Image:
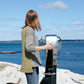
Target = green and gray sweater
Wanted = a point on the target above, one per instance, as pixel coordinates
(30, 57)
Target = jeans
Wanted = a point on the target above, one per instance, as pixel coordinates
(33, 78)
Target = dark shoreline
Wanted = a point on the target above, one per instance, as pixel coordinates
(73, 40)
(15, 41)
(39, 40)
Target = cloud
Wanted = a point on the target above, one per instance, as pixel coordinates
(9, 19)
(8, 35)
(77, 23)
(56, 5)
(4, 25)
(72, 34)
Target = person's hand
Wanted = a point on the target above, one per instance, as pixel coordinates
(49, 46)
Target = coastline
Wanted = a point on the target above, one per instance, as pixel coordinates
(15, 41)
(10, 72)
(70, 52)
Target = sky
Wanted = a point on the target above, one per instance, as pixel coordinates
(64, 18)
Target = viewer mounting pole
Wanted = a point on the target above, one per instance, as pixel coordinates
(51, 59)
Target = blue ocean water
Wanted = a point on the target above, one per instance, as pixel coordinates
(71, 55)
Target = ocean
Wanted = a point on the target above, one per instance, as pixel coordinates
(71, 55)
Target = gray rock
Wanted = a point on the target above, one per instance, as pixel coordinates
(10, 73)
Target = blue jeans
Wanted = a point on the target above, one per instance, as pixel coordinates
(33, 78)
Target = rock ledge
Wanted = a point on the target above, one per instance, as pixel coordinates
(11, 73)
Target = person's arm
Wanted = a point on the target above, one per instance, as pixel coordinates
(29, 40)
(29, 43)
(48, 46)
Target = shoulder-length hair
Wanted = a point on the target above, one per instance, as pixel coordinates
(32, 20)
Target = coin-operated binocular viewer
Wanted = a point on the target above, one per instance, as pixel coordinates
(51, 59)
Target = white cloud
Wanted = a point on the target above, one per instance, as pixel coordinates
(9, 19)
(4, 26)
(72, 34)
(56, 5)
(77, 23)
(8, 35)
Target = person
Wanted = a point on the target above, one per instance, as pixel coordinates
(30, 48)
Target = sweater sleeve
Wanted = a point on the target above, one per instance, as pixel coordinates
(30, 47)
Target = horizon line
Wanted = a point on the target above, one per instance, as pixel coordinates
(39, 40)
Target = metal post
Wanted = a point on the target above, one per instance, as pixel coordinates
(54, 77)
(50, 68)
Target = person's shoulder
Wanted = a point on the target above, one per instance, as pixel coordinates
(29, 29)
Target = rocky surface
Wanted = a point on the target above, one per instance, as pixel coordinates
(10, 73)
